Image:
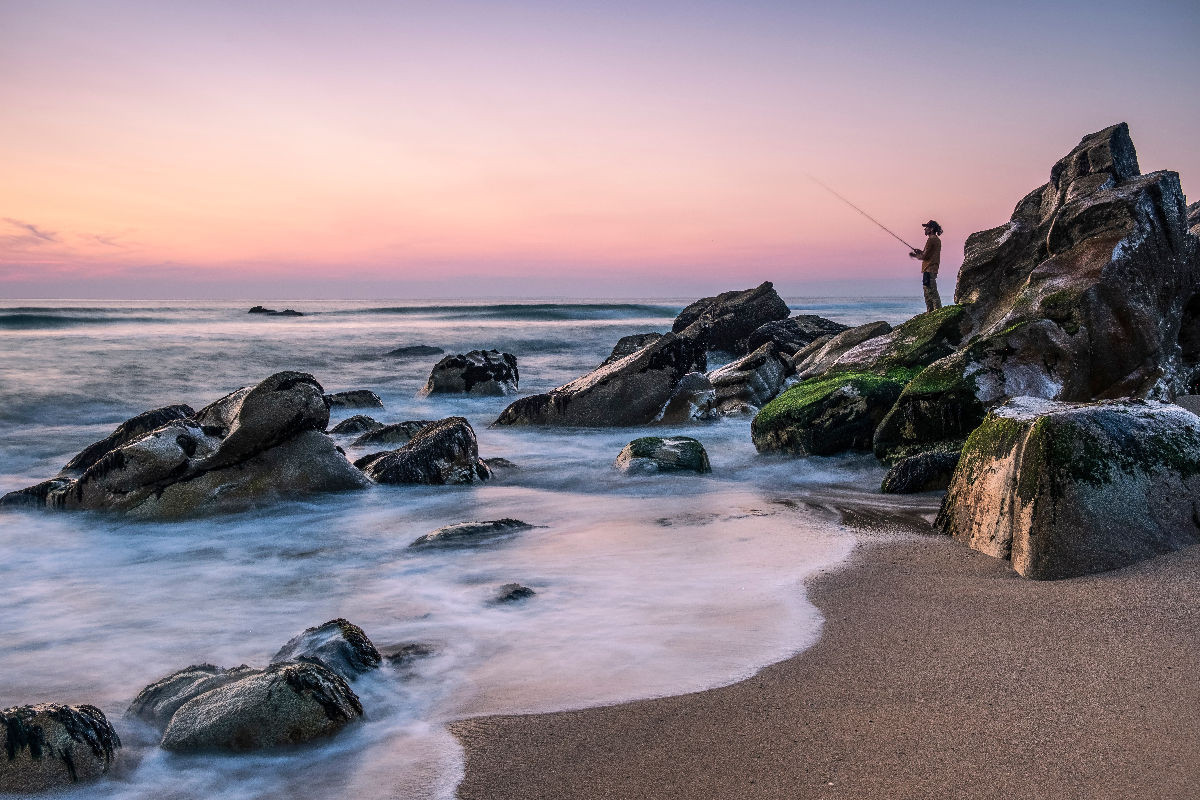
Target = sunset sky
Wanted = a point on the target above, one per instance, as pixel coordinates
(621, 149)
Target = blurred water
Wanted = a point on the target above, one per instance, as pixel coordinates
(645, 586)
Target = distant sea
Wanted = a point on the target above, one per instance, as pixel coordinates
(646, 586)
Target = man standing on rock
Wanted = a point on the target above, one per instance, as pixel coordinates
(931, 259)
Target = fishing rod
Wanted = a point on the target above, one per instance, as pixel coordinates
(859, 210)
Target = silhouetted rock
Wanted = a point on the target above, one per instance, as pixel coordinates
(270, 312)
(356, 398)
(651, 454)
(415, 350)
(125, 433)
(35, 496)
(469, 533)
(793, 334)
(442, 453)
(338, 644)
(51, 746)
(725, 322)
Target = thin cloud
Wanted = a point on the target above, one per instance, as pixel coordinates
(33, 234)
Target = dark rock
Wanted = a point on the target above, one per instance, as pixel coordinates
(125, 433)
(270, 312)
(35, 496)
(725, 322)
(481, 372)
(1063, 489)
(826, 415)
(284, 704)
(402, 656)
(396, 434)
(512, 593)
(651, 454)
(159, 701)
(793, 334)
(694, 400)
(750, 382)
(356, 398)
(821, 360)
(51, 746)
(443, 453)
(628, 345)
(925, 472)
(414, 350)
(498, 463)
(277, 409)
(469, 533)
(1193, 219)
(339, 645)
(631, 391)
(262, 310)
(359, 423)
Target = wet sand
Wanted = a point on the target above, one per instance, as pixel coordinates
(939, 674)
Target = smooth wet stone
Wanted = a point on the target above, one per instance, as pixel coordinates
(469, 533)
(694, 400)
(338, 644)
(628, 345)
(126, 432)
(50, 746)
(651, 454)
(159, 701)
(403, 656)
(749, 382)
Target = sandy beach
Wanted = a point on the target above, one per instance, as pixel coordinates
(939, 674)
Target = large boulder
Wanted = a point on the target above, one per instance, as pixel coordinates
(338, 645)
(278, 408)
(51, 746)
(445, 452)
(630, 391)
(811, 363)
(726, 322)
(792, 335)
(480, 372)
(1063, 489)
(284, 704)
(750, 382)
(651, 454)
(126, 432)
(470, 533)
(628, 345)
(159, 701)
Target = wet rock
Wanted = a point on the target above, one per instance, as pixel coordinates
(277, 409)
(51, 746)
(35, 496)
(631, 391)
(750, 382)
(396, 434)
(501, 464)
(415, 350)
(445, 452)
(339, 645)
(651, 454)
(403, 656)
(469, 533)
(924, 472)
(512, 593)
(695, 399)
(821, 360)
(359, 423)
(628, 345)
(285, 704)
(912, 346)
(159, 701)
(125, 433)
(356, 398)
(827, 415)
(1063, 489)
(270, 312)
(793, 334)
(725, 322)
(480, 372)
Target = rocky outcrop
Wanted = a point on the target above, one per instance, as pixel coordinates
(818, 361)
(512, 593)
(726, 322)
(445, 452)
(750, 382)
(396, 434)
(924, 472)
(339, 645)
(694, 400)
(284, 704)
(792, 335)
(630, 391)
(628, 345)
(358, 424)
(270, 312)
(355, 398)
(1064, 489)
(470, 533)
(652, 454)
(125, 433)
(415, 350)
(480, 372)
(50, 746)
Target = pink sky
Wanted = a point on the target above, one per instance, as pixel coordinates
(352, 150)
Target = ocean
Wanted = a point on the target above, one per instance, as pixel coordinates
(645, 585)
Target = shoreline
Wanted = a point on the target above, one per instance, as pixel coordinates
(938, 673)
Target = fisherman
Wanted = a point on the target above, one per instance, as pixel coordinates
(931, 259)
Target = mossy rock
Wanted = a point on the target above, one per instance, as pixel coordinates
(923, 340)
(1063, 489)
(937, 410)
(829, 414)
(651, 454)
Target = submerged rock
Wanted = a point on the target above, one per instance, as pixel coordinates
(469, 533)
(415, 350)
(750, 382)
(359, 423)
(402, 656)
(651, 454)
(628, 345)
(284, 704)
(125, 433)
(924, 472)
(726, 322)
(270, 312)
(1063, 489)
(512, 593)
(398, 433)
(442, 453)
(481, 372)
(356, 398)
(792, 335)
(51, 746)
(630, 391)
(339, 645)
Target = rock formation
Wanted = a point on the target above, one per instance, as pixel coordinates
(480, 372)
(50, 746)
(694, 400)
(125, 433)
(445, 452)
(750, 382)
(727, 321)
(792, 335)
(628, 345)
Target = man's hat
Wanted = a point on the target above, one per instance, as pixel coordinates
(933, 224)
